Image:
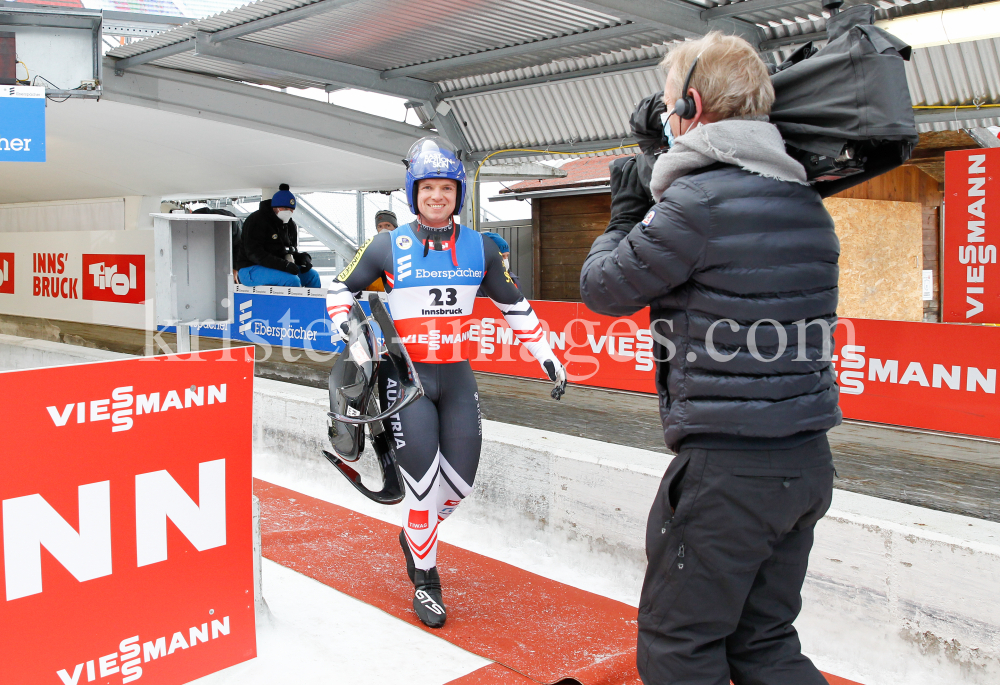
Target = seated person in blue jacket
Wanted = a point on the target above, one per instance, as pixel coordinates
(270, 246)
(504, 248)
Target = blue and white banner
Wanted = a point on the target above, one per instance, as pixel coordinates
(279, 317)
(291, 320)
(22, 124)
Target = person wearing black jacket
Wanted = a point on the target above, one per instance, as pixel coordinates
(270, 254)
(737, 260)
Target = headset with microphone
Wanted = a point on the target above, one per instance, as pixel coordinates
(686, 108)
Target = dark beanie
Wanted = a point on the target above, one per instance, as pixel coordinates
(386, 215)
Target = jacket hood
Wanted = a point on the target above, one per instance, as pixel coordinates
(753, 145)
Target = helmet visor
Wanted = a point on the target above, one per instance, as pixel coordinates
(432, 157)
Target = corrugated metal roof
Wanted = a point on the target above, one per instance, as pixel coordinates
(808, 17)
(949, 75)
(195, 9)
(384, 34)
(959, 74)
(218, 22)
(612, 58)
(571, 111)
(594, 106)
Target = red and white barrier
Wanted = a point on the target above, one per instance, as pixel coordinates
(97, 459)
(922, 375)
(971, 276)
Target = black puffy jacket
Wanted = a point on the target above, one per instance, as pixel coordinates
(266, 240)
(724, 243)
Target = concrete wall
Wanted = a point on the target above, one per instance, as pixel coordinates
(98, 214)
(895, 593)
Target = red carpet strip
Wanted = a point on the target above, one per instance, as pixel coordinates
(535, 629)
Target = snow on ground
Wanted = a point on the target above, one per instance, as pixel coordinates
(318, 635)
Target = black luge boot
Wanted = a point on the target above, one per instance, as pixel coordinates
(427, 600)
(407, 553)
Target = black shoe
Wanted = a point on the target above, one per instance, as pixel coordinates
(407, 553)
(427, 600)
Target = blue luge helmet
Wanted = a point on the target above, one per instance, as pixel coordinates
(432, 157)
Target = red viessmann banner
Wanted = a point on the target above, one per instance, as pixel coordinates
(971, 276)
(922, 375)
(602, 351)
(126, 520)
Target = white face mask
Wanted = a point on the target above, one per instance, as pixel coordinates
(285, 215)
(506, 264)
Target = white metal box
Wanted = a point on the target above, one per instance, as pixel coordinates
(194, 268)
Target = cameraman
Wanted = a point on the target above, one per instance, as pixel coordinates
(736, 238)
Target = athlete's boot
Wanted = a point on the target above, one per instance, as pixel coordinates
(427, 600)
(408, 554)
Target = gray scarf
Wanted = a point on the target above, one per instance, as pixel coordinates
(756, 146)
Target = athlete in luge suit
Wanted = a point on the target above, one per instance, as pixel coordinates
(432, 269)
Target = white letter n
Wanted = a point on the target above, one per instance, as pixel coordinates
(30, 523)
(158, 496)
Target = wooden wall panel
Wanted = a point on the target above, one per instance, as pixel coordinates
(881, 255)
(911, 184)
(902, 184)
(566, 228)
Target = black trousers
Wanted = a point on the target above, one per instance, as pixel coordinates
(728, 543)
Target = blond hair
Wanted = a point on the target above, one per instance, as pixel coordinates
(731, 77)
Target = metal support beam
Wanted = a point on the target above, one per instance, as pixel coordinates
(324, 70)
(79, 94)
(519, 171)
(570, 149)
(514, 50)
(360, 209)
(746, 7)
(61, 18)
(984, 137)
(139, 25)
(448, 126)
(802, 39)
(159, 53)
(640, 65)
(948, 114)
(280, 19)
(321, 228)
(166, 20)
(97, 45)
(264, 110)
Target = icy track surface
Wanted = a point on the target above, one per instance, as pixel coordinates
(318, 635)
